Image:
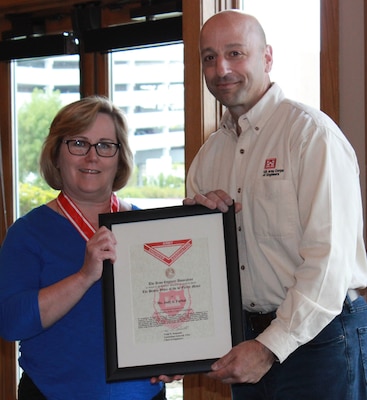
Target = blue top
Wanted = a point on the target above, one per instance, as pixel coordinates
(65, 361)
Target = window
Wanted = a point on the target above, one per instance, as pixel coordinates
(296, 65)
(38, 95)
(147, 84)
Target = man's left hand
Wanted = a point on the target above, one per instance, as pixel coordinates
(247, 362)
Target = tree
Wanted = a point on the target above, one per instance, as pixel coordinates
(31, 196)
(34, 119)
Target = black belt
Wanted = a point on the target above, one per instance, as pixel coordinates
(258, 322)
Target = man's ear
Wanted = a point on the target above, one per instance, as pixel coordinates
(268, 58)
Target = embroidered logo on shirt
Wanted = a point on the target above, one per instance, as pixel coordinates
(270, 163)
(270, 168)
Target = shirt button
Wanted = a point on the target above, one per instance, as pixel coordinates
(239, 229)
(239, 190)
(243, 267)
(252, 305)
(242, 151)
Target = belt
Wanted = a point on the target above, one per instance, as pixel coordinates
(353, 294)
(258, 322)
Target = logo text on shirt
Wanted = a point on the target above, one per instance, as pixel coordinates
(269, 168)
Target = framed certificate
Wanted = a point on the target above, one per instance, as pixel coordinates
(172, 300)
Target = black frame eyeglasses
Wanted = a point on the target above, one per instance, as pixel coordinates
(78, 147)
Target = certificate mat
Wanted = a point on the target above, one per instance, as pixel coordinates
(172, 300)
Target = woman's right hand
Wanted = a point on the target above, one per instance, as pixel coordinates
(101, 247)
(57, 300)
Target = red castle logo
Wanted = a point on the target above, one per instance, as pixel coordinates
(270, 163)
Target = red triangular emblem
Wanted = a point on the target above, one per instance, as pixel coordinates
(169, 251)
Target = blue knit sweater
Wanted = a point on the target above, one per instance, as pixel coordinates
(65, 361)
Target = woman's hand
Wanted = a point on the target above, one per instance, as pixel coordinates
(58, 299)
(101, 247)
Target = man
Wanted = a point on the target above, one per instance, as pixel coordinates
(295, 181)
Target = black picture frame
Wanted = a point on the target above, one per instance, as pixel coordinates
(172, 300)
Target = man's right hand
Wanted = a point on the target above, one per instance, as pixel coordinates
(216, 199)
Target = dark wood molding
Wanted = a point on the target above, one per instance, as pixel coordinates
(8, 362)
(329, 59)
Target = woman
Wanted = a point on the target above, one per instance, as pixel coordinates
(52, 258)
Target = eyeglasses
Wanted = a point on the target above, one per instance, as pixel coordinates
(78, 147)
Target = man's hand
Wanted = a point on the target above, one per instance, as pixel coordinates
(247, 362)
(217, 199)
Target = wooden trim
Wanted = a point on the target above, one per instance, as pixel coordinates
(365, 68)
(26, 6)
(364, 292)
(6, 158)
(57, 15)
(194, 114)
(202, 111)
(329, 59)
(7, 350)
(7, 370)
(93, 74)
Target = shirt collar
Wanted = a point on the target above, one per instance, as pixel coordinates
(258, 115)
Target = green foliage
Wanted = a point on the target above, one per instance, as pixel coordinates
(159, 187)
(34, 119)
(163, 181)
(152, 192)
(31, 196)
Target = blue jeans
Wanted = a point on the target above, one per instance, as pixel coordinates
(333, 366)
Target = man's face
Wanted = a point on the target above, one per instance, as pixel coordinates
(235, 63)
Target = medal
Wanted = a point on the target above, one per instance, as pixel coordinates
(76, 217)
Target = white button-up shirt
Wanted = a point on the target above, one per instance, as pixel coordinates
(300, 231)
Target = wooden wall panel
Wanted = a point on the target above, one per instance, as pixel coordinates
(329, 58)
(7, 349)
(16, 6)
(202, 111)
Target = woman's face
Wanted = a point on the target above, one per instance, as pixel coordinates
(90, 177)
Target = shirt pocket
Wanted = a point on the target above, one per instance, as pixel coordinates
(275, 208)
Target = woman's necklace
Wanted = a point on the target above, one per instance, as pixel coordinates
(76, 217)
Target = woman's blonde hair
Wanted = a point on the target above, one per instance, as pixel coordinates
(74, 119)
